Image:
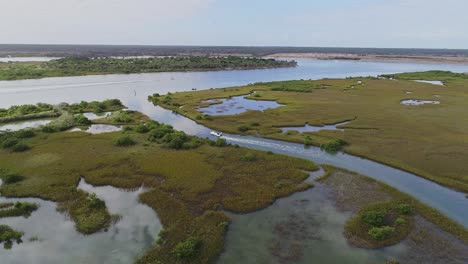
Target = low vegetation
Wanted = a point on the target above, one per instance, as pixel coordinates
(87, 66)
(384, 216)
(190, 181)
(381, 224)
(27, 112)
(17, 209)
(8, 236)
(429, 140)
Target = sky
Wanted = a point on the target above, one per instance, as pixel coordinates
(311, 23)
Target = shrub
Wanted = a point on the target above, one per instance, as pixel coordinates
(7, 235)
(175, 140)
(187, 249)
(373, 218)
(142, 128)
(243, 128)
(10, 177)
(400, 221)
(248, 157)
(221, 142)
(381, 233)
(255, 124)
(95, 202)
(159, 132)
(124, 141)
(333, 146)
(20, 147)
(25, 133)
(9, 142)
(404, 209)
(81, 120)
(48, 129)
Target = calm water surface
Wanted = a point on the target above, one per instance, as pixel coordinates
(236, 105)
(309, 128)
(15, 126)
(58, 241)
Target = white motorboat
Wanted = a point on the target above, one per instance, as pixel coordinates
(216, 134)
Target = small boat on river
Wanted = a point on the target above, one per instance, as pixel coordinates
(216, 134)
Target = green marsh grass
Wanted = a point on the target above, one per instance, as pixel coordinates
(430, 140)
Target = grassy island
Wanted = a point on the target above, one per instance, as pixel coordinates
(383, 216)
(92, 66)
(429, 140)
(191, 181)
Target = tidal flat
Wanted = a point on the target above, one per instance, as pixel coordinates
(381, 129)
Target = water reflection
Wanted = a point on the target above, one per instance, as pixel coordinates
(418, 102)
(302, 228)
(430, 82)
(98, 129)
(309, 128)
(15, 126)
(236, 105)
(58, 242)
(124, 86)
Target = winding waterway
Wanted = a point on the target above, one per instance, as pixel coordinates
(50, 237)
(133, 90)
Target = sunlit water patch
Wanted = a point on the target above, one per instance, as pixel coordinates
(27, 59)
(418, 102)
(15, 126)
(236, 105)
(98, 129)
(55, 240)
(94, 116)
(309, 128)
(431, 82)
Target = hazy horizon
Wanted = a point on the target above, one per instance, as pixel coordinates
(405, 24)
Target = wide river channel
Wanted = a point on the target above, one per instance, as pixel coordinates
(250, 237)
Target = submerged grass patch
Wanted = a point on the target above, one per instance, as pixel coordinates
(428, 140)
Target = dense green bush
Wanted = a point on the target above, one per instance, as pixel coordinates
(81, 120)
(187, 249)
(373, 218)
(8, 235)
(381, 233)
(25, 133)
(9, 177)
(220, 142)
(333, 146)
(142, 128)
(20, 147)
(9, 142)
(160, 131)
(95, 202)
(124, 141)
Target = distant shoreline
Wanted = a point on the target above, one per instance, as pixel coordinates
(372, 54)
(373, 57)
